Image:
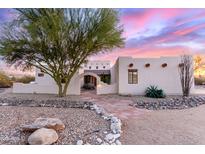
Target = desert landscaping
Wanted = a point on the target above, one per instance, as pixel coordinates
(83, 126)
(84, 76)
(47, 119)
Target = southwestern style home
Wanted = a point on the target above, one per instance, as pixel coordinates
(128, 76)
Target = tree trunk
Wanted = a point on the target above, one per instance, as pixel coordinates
(65, 87)
(60, 90)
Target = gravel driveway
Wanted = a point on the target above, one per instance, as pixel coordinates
(80, 124)
(166, 127)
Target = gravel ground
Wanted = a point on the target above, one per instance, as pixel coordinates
(166, 127)
(7, 93)
(169, 103)
(2, 90)
(80, 124)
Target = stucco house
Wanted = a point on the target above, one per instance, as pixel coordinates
(127, 76)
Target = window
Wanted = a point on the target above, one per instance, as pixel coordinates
(96, 67)
(132, 76)
(89, 67)
(104, 67)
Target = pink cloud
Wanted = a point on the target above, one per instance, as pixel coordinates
(189, 29)
(143, 52)
(137, 21)
(190, 19)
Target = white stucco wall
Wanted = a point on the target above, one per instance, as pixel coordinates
(106, 89)
(47, 85)
(97, 65)
(113, 73)
(166, 78)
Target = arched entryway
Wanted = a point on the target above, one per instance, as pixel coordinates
(89, 82)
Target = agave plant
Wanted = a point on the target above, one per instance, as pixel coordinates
(154, 92)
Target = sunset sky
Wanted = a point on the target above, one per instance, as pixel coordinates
(153, 32)
(161, 32)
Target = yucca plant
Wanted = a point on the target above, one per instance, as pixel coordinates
(154, 92)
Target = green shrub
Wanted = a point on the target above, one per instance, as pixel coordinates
(5, 81)
(154, 92)
(24, 79)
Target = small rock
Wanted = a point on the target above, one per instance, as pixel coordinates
(99, 140)
(98, 111)
(43, 136)
(79, 142)
(118, 142)
(116, 136)
(116, 127)
(112, 141)
(5, 104)
(109, 137)
(104, 117)
(114, 119)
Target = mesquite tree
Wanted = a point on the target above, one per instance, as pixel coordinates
(186, 74)
(59, 41)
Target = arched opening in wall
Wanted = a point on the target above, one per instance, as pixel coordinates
(88, 84)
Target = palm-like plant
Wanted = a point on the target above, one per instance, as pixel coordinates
(59, 41)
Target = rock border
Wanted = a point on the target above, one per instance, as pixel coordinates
(115, 126)
(170, 103)
(112, 138)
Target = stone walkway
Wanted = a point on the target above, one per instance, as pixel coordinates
(115, 104)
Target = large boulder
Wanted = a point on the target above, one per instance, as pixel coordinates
(29, 127)
(52, 123)
(43, 136)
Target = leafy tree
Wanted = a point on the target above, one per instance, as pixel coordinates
(59, 41)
